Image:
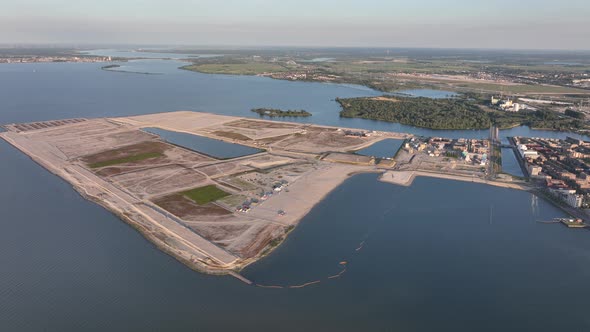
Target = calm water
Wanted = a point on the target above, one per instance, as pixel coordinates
(433, 259)
(148, 55)
(383, 149)
(510, 164)
(563, 63)
(439, 255)
(66, 90)
(428, 93)
(319, 60)
(208, 146)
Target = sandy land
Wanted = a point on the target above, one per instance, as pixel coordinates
(153, 224)
(381, 98)
(405, 178)
(209, 242)
(305, 193)
(296, 137)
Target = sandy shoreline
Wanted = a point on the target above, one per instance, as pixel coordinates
(50, 147)
(406, 178)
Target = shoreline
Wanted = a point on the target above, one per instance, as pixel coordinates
(188, 240)
(151, 235)
(307, 192)
(406, 178)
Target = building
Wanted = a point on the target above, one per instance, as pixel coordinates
(574, 200)
(516, 107)
(525, 152)
(534, 170)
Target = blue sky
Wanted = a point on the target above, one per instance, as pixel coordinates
(418, 23)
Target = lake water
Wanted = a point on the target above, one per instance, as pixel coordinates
(428, 93)
(433, 259)
(147, 55)
(211, 147)
(319, 60)
(66, 90)
(562, 63)
(438, 255)
(386, 148)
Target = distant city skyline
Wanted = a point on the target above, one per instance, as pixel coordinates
(524, 24)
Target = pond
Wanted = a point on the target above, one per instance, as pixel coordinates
(386, 148)
(211, 147)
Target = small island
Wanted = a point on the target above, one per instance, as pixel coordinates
(273, 112)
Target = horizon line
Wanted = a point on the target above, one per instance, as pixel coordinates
(277, 46)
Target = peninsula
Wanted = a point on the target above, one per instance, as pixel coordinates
(214, 214)
(217, 214)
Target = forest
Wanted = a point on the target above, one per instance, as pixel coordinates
(273, 112)
(451, 113)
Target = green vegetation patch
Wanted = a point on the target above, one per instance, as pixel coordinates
(419, 112)
(273, 112)
(129, 159)
(206, 194)
(452, 113)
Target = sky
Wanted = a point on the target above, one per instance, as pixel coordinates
(520, 24)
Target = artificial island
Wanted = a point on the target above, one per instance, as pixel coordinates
(218, 208)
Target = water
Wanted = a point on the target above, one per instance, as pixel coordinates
(319, 60)
(428, 93)
(563, 63)
(69, 265)
(435, 257)
(383, 149)
(67, 90)
(211, 147)
(510, 164)
(143, 66)
(146, 55)
(439, 255)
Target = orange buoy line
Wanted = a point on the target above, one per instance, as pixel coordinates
(337, 275)
(269, 286)
(361, 246)
(343, 264)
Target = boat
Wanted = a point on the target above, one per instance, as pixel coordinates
(572, 223)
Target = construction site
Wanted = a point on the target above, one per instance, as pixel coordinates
(215, 215)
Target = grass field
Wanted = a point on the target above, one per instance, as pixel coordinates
(137, 157)
(206, 194)
(236, 68)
